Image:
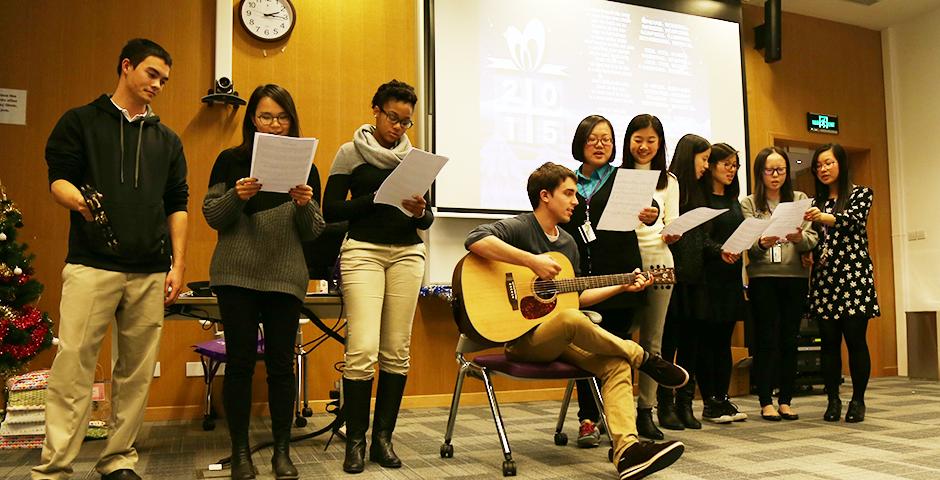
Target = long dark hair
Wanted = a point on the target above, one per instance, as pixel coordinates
(582, 133)
(640, 122)
(683, 167)
(760, 190)
(845, 185)
(721, 151)
(282, 97)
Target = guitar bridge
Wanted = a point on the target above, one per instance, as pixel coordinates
(511, 292)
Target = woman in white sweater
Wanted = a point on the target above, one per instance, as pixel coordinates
(646, 150)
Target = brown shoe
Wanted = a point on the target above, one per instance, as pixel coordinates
(644, 458)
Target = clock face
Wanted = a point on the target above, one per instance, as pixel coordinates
(267, 20)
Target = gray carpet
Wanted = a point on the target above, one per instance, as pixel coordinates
(900, 439)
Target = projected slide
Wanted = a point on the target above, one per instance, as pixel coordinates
(514, 77)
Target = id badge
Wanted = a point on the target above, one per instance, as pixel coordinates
(587, 233)
(776, 253)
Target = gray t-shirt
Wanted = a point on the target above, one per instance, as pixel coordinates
(524, 232)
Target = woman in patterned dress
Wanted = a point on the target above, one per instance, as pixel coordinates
(842, 294)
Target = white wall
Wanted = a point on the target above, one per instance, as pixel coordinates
(912, 75)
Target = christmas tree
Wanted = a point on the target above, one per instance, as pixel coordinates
(24, 330)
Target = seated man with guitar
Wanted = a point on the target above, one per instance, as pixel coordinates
(535, 310)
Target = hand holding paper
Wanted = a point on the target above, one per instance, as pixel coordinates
(413, 176)
(281, 163)
(787, 218)
(632, 192)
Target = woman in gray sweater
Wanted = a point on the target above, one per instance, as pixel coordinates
(778, 284)
(259, 275)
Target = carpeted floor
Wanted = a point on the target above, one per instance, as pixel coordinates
(900, 439)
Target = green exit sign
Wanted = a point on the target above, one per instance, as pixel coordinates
(822, 123)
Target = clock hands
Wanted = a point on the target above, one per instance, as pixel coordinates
(278, 13)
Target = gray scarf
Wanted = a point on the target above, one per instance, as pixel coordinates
(374, 153)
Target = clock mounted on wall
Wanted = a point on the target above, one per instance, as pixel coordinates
(267, 20)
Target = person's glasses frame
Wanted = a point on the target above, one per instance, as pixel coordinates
(393, 117)
(267, 119)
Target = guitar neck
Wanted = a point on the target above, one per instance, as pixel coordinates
(579, 284)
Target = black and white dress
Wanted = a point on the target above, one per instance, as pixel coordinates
(843, 284)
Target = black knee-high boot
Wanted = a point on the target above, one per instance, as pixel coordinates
(684, 413)
(281, 393)
(357, 395)
(387, 403)
(237, 402)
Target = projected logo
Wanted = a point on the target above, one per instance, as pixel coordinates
(526, 51)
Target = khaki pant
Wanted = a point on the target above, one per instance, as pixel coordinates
(572, 337)
(380, 292)
(91, 300)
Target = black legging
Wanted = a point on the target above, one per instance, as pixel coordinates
(680, 333)
(714, 359)
(853, 330)
(777, 304)
(241, 310)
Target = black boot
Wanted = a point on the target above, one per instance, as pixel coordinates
(356, 397)
(387, 402)
(237, 401)
(684, 413)
(833, 410)
(666, 409)
(856, 411)
(645, 426)
(281, 406)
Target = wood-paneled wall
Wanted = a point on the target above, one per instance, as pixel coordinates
(831, 68)
(340, 51)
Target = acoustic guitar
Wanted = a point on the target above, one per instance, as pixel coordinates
(499, 302)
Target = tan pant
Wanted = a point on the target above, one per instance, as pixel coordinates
(380, 292)
(91, 300)
(572, 337)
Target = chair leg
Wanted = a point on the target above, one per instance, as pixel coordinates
(454, 404)
(497, 417)
(559, 427)
(596, 392)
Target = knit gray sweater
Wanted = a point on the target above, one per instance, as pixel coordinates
(261, 251)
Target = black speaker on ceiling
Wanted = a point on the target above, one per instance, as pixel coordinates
(767, 37)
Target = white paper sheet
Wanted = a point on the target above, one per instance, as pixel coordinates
(787, 217)
(745, 235)
(632, 192)
(13, 106)
(281, 163)
(691, 219)
(413, 176)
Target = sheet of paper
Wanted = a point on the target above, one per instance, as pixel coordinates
(12, 106)
(281, 163)
(746, 234)
(787, 217)
(413, 176)
(632, 192)
(691, 219)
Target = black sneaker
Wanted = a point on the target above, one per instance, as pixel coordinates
(715, 412)
(643, 458)
(664, 373)
(732, 410)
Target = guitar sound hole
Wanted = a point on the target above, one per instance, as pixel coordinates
(544, 290)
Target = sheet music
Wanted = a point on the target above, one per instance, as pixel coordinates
(413, 176)
(787, 217)
(632, 192)
(745, 235)
(691, 219)
(281, 163)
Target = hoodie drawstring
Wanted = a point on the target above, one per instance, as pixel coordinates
(136, 157)
(121, 123)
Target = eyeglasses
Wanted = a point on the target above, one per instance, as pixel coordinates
(826, 165)
(268, 119)
(729, 166)
(394, 118)
(775, 171)
(604, 141)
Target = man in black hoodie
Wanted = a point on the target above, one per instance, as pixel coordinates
(126, 272)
